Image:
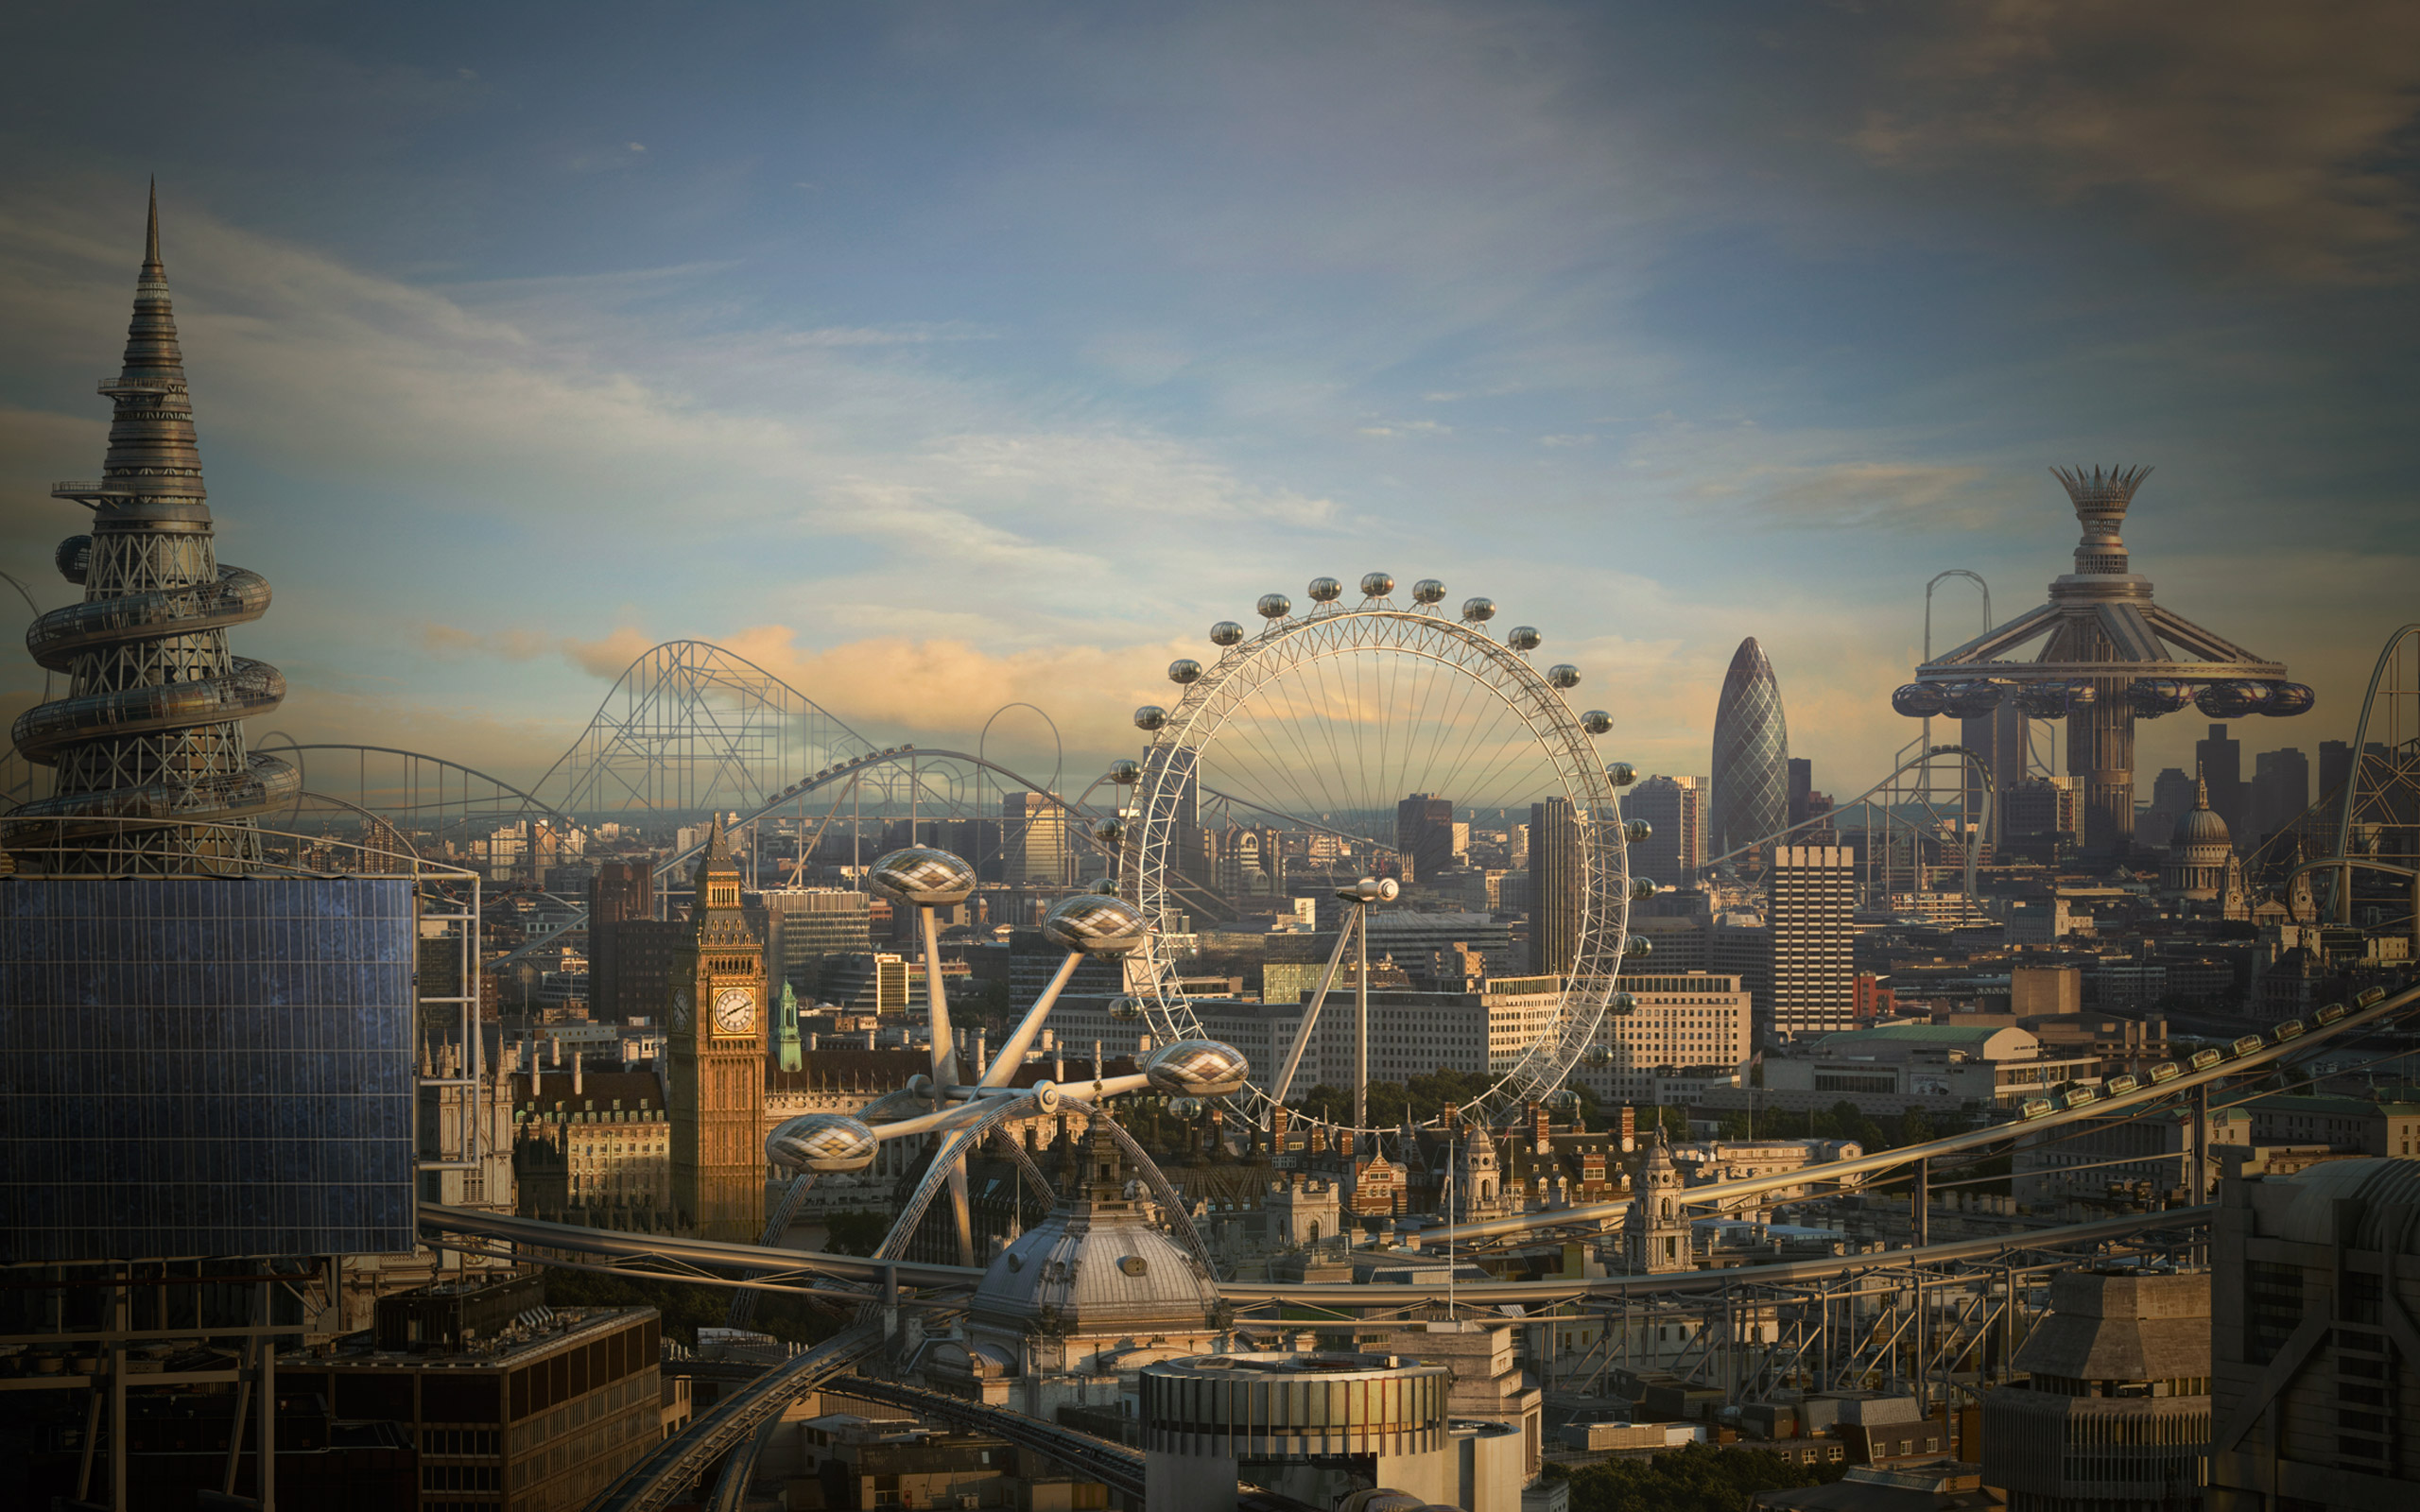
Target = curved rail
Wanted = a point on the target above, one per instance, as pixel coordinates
(579, 1237)
(1832, 816)
(1114, 1465)
(731, 1422)
(2077, 1109)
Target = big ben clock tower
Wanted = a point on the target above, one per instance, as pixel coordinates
(718, 1031)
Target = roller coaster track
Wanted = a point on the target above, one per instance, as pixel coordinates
(2074, 1108)
(666, 1253)
(732, 1422)
(1114, 1465)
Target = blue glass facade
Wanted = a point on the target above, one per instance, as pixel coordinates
(1749, 791)
(194, 1066)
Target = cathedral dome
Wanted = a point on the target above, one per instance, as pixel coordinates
(2199, 824)
(1098, 1264)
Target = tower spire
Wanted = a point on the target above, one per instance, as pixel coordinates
(151, 264)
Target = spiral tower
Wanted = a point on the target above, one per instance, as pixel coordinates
(150, 772)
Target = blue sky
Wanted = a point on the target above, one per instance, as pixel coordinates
(946, 355)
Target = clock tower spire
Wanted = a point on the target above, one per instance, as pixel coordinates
(717, 1027)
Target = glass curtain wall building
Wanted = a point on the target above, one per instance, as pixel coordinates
(1750, 797)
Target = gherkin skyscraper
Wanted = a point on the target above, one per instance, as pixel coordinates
(1750, 797)
(148, 747)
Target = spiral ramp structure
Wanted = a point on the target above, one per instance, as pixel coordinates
(150, 771)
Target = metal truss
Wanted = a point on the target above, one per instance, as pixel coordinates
(690, 727)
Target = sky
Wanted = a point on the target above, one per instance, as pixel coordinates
(944, 356)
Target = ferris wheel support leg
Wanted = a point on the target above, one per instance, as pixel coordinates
(1012, 1056)
(1312, 1015)
(1361, 1027)
(946, 1074)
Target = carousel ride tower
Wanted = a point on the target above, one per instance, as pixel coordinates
(151, 774)
(2106, 655)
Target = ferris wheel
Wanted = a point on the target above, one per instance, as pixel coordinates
(1304, 739)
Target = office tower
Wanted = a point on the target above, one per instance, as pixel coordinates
(1555, 880)
(2116, 1409)
(804, 925)
(2220, 760)
(1998, 737)
(716, 1030)
(1674, 809)
(621, 890)
(2172, 797)
(2280, 790)
(2335, 766)
(1036, 840)
(1682, 1019)
(1811, 901)
(2313, 1285)
(1801, 784)
(152, 724)
(1424, 837)
(1751, 792)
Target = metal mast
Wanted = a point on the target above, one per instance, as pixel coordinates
(151, 728)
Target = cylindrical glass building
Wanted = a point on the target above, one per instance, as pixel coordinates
(1750, 797)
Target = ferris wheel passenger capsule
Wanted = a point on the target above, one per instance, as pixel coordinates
(1642, 888)
(1110, 832)
(1106, 886)
(1150, 716)
(1095, 924)
(1188, 1109)
(1621, 774)
(1524, 638)
(1274, 605)
(1376, 585)
(1598, 1057)
(1636, 831)
(1638, 945)
(1427, 591)
(1183, 670)
(1125, 773)
(1326, 590)
(1226, 632)
(1479, 611)
(1198, 1068)
(1564, 675)
(821, 1142)
(1597, 722)
(922, 876)
(1125, 1009)
(1622, 1002)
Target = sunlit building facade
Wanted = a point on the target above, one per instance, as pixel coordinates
(1750, 795)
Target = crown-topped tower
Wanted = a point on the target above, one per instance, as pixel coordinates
(151, 729)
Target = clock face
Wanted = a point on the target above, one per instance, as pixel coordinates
(679, 1011)
(734, 1011)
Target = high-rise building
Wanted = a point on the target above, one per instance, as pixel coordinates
(1811, 902)
(803, 926)
(1750, 788)
(1998, 737)
(2313, 1287)
(2172, 797)
(151, 725)
(2220, 760)
(1036, 841)
(1555, 882)
(717, 1041)
(1424, 835)
(1674, 808)
(2043, 819)
(620, 891)
(2334, 766)
(1802, 788)
(2280, 791)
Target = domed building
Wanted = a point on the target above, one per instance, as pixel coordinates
(1072, 1310)
(2202, 865)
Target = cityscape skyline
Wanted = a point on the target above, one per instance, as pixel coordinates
(879, 416)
